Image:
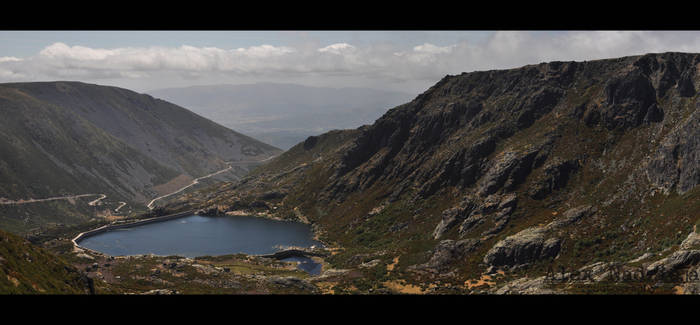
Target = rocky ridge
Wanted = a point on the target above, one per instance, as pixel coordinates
(559, 164)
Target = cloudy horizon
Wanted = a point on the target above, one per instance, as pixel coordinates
(409, 61)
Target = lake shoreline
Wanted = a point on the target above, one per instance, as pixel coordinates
(285, 251)
(118, 225)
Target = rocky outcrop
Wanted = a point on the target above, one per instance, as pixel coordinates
(452, 216)
(628, 98)
(508, 171)
(676, 162)
(448, 252)
(293, 283)
(571, 216)
(526, 286)
(497, 175)
(674, 262)
(472, 212)
(159, 292)
(533, 244)
(524, 247)
(488, 152)
(554, 176)
(693, 240)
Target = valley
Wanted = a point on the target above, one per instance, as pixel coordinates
(554, 178)
(489, 180)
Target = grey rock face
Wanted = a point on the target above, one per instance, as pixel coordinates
(508, 201)
(536, 286)
(497, 175)
(473, 211)
(570, 216)
(677, 260)
(555, 176)
(597, 271)
(161, 292)
(510, 170)
(686, 88)
(470, 223)
(448, 252)
(524, 247)
(628, 99)
(693, 239)
(452, 216)
(676, 163)
(532, 244)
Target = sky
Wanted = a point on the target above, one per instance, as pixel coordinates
(409, 61)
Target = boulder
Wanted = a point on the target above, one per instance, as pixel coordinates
(524, 247)
(527, 286)
(570, 216)
(678, 259)
(691, 241)
(292, 282)
(370, 264)
(161, 292)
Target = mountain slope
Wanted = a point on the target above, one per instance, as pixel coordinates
(68, 138)
(27, 269)
(498, 177)
(284, 114)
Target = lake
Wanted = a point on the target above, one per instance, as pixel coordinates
(201, 235)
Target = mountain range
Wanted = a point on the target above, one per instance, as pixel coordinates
(490, 181)
(553, 178)
(284, 114)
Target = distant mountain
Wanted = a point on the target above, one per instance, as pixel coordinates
(68, 138)
(284, 114)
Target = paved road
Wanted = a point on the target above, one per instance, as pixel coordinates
(4, 201)
(94, 202)
(121, 204)
(196, 180)
(68, 197)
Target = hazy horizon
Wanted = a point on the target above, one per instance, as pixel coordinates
(407, 61)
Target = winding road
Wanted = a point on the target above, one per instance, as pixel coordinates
(4, 201)
(68, 197)
(121, 205)
(196, 180)
(94, 202)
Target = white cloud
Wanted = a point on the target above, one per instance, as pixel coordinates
(382, 64)
(61, 51)
(337, 48)
(9, 59)
(433, 49)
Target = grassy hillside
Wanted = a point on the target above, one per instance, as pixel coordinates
(27, 269)
(69, 138)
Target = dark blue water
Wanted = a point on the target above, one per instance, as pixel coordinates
(199, 236)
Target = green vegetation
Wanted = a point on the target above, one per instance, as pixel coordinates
(27, 269)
